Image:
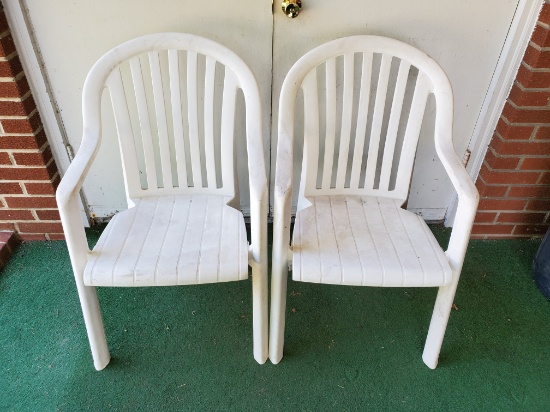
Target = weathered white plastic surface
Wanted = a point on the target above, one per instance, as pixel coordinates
(179, 228)
(365, 241)
(350, 228)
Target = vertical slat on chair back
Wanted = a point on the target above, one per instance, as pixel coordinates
(174, 112)
(373, 105)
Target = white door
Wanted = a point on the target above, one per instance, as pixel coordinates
(465, 37)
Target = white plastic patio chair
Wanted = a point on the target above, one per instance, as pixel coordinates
(179, 228)
(350, 227)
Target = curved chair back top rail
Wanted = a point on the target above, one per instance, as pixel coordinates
(343, 169)
(165, 108)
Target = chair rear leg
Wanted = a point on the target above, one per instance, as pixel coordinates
(438, 324)
(94, 325)
(259, 317)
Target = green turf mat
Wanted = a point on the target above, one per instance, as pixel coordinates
(347, 348)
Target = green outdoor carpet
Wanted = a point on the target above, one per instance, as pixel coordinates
(347, 348)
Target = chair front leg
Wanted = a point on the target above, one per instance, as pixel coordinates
(279, 277)
(438, 324)
(259, 310)
(94, 324)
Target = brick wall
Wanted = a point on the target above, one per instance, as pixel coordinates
(514, 181)
(28, 174)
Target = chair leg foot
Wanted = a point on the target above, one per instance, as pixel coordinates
(438, 324)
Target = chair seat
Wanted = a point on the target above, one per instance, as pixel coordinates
(171, 240)
(368, 241)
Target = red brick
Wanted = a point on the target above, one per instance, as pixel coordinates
(501, 204)
(23, 142)
(529, 98)
(3, 22)
(56, 236)
(10, 68)
(25, 173)
(531, 79)
(536, 163)
(538, 59)
(7, 226)
(48, 214)
(544, 16)
(5, 237)
(529, 191)
(40, 188)
(29, 237)
(10, 214)
(518, 148)
(490, 190)
(544, 179)
(23, 108)
(14, 241)
(7, 46)
(14, 89)
(533, 230)
(541, 36)
(492, 229)
(31, 202)
(33, 159)
(512, 178)
(4, 159)
(21, 125)
(485, 217)
(521, 115)
(542, 133)
(538, 204)
(10, 189)
(500, 163)
(519, 217)
(513, 132)
(40, 227)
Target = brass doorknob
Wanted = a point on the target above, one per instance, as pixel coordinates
(291, 7)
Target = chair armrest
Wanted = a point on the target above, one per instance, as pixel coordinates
(468, 198)
(67, 199)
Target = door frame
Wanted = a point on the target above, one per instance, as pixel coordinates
(514, 47)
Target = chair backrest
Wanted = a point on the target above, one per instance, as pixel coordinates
(364, 101)
(174, 103)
